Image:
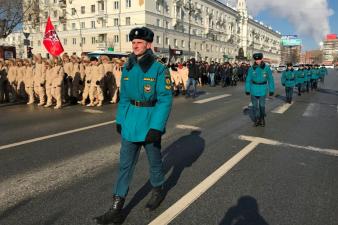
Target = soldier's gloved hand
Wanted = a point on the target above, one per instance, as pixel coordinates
(97, 82)
(118, 128)
(80, 82)
(247, 93)
(88, 81)
(70, 78)
(153, 136)
(271, 93)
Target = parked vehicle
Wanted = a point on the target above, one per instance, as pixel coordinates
(281, 68)
(110, 54)
(7, 52)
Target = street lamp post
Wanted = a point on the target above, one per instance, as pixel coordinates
(190, 8)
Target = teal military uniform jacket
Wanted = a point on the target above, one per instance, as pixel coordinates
(323, 71)
(314, 74)
(300, 76)
(288, 78)
(144, 83)
(308, 74)
(259, 80)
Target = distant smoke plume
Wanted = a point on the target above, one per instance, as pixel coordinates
(309, 17)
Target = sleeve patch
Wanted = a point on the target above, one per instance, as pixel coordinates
(126, 78)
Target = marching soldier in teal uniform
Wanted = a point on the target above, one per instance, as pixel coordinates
(143, 111)
(300, 79)
(259, 81)
(288, 80)
(323, 73)
(314, 77)
(307, 73)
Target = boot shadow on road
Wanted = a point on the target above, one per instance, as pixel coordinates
(176, 157)
(246, 212)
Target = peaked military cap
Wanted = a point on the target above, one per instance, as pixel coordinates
(141, 33)
(257, 56)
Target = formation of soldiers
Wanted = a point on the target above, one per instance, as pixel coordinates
(305, 78)
(61, 80)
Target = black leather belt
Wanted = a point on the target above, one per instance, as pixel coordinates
(260, 83)
(143, 104)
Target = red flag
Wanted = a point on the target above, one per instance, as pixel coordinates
(51, 40)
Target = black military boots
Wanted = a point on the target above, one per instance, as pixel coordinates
(114, 214)
(157, 196)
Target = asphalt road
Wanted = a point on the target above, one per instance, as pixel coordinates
(58, 166)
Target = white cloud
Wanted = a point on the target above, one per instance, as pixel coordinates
(308, 17)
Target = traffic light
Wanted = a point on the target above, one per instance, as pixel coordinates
(29, 52)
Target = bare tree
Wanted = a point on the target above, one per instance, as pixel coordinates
(13, 13)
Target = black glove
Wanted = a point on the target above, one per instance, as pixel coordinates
(153, 136)
(118, 128)
(271, 93)
(88, 81)
(80, 82)
(97, 82)
(247, 93)
(70, 78)
(41, 85)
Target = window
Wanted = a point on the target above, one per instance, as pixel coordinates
(93, 24)
(93, 40)
(46, 15)
(183, 43)
(116, 39)
(101, 6)
(55, 1)
(55, 13)
(128, 3)
(83, 9)
(158, 6)
(92, 8)
(158, 40)
(116, 5)
(167, 41)
(167, 24)
(158, 22)
(127, 38)
(65, 41)
(73, 26)
(74, 41)
(64, 26)
(83, 25)
(116, 21)
(73, 11)
(39, 43)
(127, 20)
(175, 42)
(83, 40)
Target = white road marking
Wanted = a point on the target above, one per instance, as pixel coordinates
(187, 127)
(55, 135)
(93, 111)
(332, 152)
(42, 180)
(211, 99)
(282, 109)
(171, 213)
(311, 110)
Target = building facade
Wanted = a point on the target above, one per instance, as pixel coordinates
(204, 29)
(330, 49)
